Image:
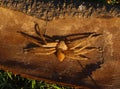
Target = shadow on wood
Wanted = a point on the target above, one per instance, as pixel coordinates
(94, 73)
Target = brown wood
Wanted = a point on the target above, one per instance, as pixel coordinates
(101, 71)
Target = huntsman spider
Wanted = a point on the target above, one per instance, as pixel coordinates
(61, 46)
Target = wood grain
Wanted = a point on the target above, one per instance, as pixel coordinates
(95, 73)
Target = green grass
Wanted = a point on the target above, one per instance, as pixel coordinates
(10, 81)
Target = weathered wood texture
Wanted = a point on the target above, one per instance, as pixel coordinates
(54, 9)
(96, 72)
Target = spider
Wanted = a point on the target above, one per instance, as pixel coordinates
(62, 46)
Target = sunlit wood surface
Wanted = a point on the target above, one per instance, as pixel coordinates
(101, 71)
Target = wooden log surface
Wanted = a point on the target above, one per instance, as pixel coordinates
(101, 71)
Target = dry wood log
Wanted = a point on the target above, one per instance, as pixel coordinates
(101, 71)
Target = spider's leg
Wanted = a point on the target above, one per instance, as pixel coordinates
(41, 51)
(84, 41)
(30, 38)
(39, 33)
(78, 50)
(82, 52)
(71, 55)
(76, 57)
(51, 44)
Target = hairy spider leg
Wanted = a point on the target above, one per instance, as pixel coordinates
(88, 43)
(82, 48)
(48, 49)
(76, 57)
(70, 54)
(42, 51)
(37, 42)
(85, 51)
(39, 33)
(82, 42)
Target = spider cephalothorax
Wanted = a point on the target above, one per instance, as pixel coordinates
(75, 48)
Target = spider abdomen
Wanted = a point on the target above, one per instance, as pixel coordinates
(60, 55)
(60, 48)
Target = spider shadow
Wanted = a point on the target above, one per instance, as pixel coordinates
(73, 37)
(41, 38)
(30, 45)
(67, 38)
(79, 77)
(87, 72)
